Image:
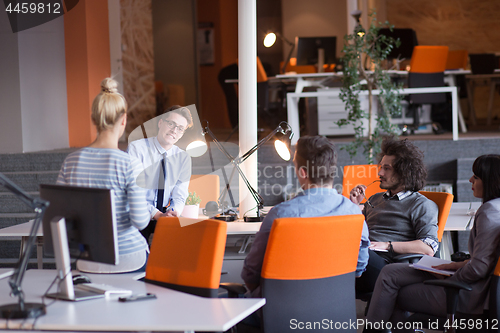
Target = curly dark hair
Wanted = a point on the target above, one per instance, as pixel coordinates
(318, 156)
(487, 168)
(408, 163)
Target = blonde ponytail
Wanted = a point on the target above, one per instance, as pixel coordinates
(108, 106)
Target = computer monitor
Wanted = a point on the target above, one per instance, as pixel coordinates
(79, 222)
(408, 39)
(483, 63)
(307, 50)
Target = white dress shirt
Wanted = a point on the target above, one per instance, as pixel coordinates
(177, 173)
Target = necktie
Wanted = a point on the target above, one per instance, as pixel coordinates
(161, 187)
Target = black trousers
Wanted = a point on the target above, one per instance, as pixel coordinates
(366, 282)
(149, 230)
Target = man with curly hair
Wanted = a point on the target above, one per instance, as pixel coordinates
(400, 220)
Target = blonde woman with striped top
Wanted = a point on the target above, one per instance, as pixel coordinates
(103, 165)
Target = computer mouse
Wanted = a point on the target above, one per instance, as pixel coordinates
(79, 279)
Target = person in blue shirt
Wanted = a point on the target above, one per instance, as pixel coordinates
(315, 163)
(161, 158)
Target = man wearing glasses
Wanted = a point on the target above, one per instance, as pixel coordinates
(166, 167)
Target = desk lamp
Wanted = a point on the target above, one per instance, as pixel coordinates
(282, 149)
(269, 41)
(22, 309)
(359, 30)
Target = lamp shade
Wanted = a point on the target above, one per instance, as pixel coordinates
(282, 150)
(270, 39)
(196, 148)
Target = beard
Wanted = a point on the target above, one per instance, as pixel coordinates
(390, 186)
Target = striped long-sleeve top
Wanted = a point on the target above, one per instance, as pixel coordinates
(116, 170)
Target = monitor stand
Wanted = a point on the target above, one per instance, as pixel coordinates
(63, 265)
(321, 60)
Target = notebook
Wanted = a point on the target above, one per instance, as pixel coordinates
(426, 263)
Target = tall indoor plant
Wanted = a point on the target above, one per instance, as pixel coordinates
(361, 48)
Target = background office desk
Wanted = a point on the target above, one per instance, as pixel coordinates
(239, 236)
(171, 311)
(458, 220)
(315, 79)
(293, 104)
(23, 230)
(233, 259)
(480, 79)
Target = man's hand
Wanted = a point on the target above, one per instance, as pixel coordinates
(357, 194)
(379, 246)
(171, 212)
(168, 213)
(453, 266)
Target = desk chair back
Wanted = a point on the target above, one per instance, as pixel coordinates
(427, 67)
(457, 59)
(443, 200)
(363, 174)
(303, 275)
(207, 187)
(189, 258)
(303, 69)
(428, 59)
(483, 63)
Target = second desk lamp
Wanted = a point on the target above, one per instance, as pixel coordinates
(282, 149)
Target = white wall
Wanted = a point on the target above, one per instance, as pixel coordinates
(314, 18)
(10, 99)
(42, 71)
(33, 102)
(115, 42)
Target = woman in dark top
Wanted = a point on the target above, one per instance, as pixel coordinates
(400, 288)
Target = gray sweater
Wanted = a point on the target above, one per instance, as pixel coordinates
(414, 217)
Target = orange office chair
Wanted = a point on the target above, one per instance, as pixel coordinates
(207, 187)
(364, 174)
(443, 200)
(292, 67)
(457, 59)
(187, 259)
(303, 277)
(427, 67)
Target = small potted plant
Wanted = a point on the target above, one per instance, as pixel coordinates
(192, 206)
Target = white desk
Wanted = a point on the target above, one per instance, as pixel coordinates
(243, 228)
(458, 220)
(171, 311)
(23, 230)
(293, 104)
(315, 79)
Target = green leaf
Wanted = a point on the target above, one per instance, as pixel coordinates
(375, 48)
